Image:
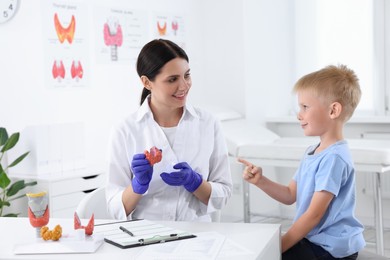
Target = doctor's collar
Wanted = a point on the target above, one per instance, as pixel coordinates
(191, 110)
(145, 109)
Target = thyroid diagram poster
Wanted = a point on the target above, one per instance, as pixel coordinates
(65, 30)
(120, 34)
(170, 26)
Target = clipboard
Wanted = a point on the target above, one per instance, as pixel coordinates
(135, 233)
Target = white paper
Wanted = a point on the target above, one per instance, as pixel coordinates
(232, 250)
(205, 246)
(66, 245)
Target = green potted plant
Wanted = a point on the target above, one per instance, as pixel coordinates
(8, 189)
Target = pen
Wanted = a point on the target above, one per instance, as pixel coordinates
(158, 239)
(126, 230)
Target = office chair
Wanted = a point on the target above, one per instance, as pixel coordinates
(216, 216)
(94, 203)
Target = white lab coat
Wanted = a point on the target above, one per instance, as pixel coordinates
(199, 142)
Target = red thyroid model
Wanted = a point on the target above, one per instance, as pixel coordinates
(38, 221)
(89, 228)
(38, 210)
(154, 156)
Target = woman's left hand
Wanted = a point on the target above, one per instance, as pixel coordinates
(187, 177)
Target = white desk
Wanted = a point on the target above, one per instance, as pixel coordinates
(262, 239)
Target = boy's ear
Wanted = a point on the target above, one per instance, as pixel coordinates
(335, 110)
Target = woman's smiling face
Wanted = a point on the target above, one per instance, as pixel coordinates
(171, 86)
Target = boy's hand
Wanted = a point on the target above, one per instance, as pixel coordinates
(251, 173)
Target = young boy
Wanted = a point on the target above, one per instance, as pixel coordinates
(323, 187)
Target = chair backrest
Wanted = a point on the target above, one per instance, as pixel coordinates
(216, 216)
(94, 203)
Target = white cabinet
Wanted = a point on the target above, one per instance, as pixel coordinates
(65, 189)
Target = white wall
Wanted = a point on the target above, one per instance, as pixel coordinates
(223, 54)
(240, 57)
(114, 90)
(269, 52)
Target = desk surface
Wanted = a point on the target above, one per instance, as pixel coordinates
(261, 239)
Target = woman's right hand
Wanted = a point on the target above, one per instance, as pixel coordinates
(142, 171)
(251, 173)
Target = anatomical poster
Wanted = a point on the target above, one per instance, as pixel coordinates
(65, 30)
(120, 34)
(171, 27)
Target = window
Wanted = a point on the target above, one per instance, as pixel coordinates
(349, 32)
(386, 29)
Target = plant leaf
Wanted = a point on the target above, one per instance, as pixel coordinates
(3, 136)
(11, 142)
(13, 215)
(15, 188)
(4, 204)
(17, 197)
(4, 180)
(31, 183)
(18, 160)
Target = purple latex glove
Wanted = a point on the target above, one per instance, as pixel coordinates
(142, 171)
(187, 177)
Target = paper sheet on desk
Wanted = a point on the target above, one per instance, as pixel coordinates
(65, 245)
(232, 250)
(205, 246)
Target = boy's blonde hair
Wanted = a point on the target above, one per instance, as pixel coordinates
(333, 84)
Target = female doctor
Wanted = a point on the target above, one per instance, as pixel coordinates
(193, 178)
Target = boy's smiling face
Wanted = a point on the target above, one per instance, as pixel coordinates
(314, 113)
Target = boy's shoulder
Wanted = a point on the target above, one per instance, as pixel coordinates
(341, 151)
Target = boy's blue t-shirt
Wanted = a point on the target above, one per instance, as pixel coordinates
(338, 232)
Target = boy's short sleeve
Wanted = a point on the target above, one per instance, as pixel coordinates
(332, 174)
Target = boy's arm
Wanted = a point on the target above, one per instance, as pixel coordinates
(282, 193)
(313, 215)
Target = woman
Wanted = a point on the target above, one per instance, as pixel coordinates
(193, 178)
